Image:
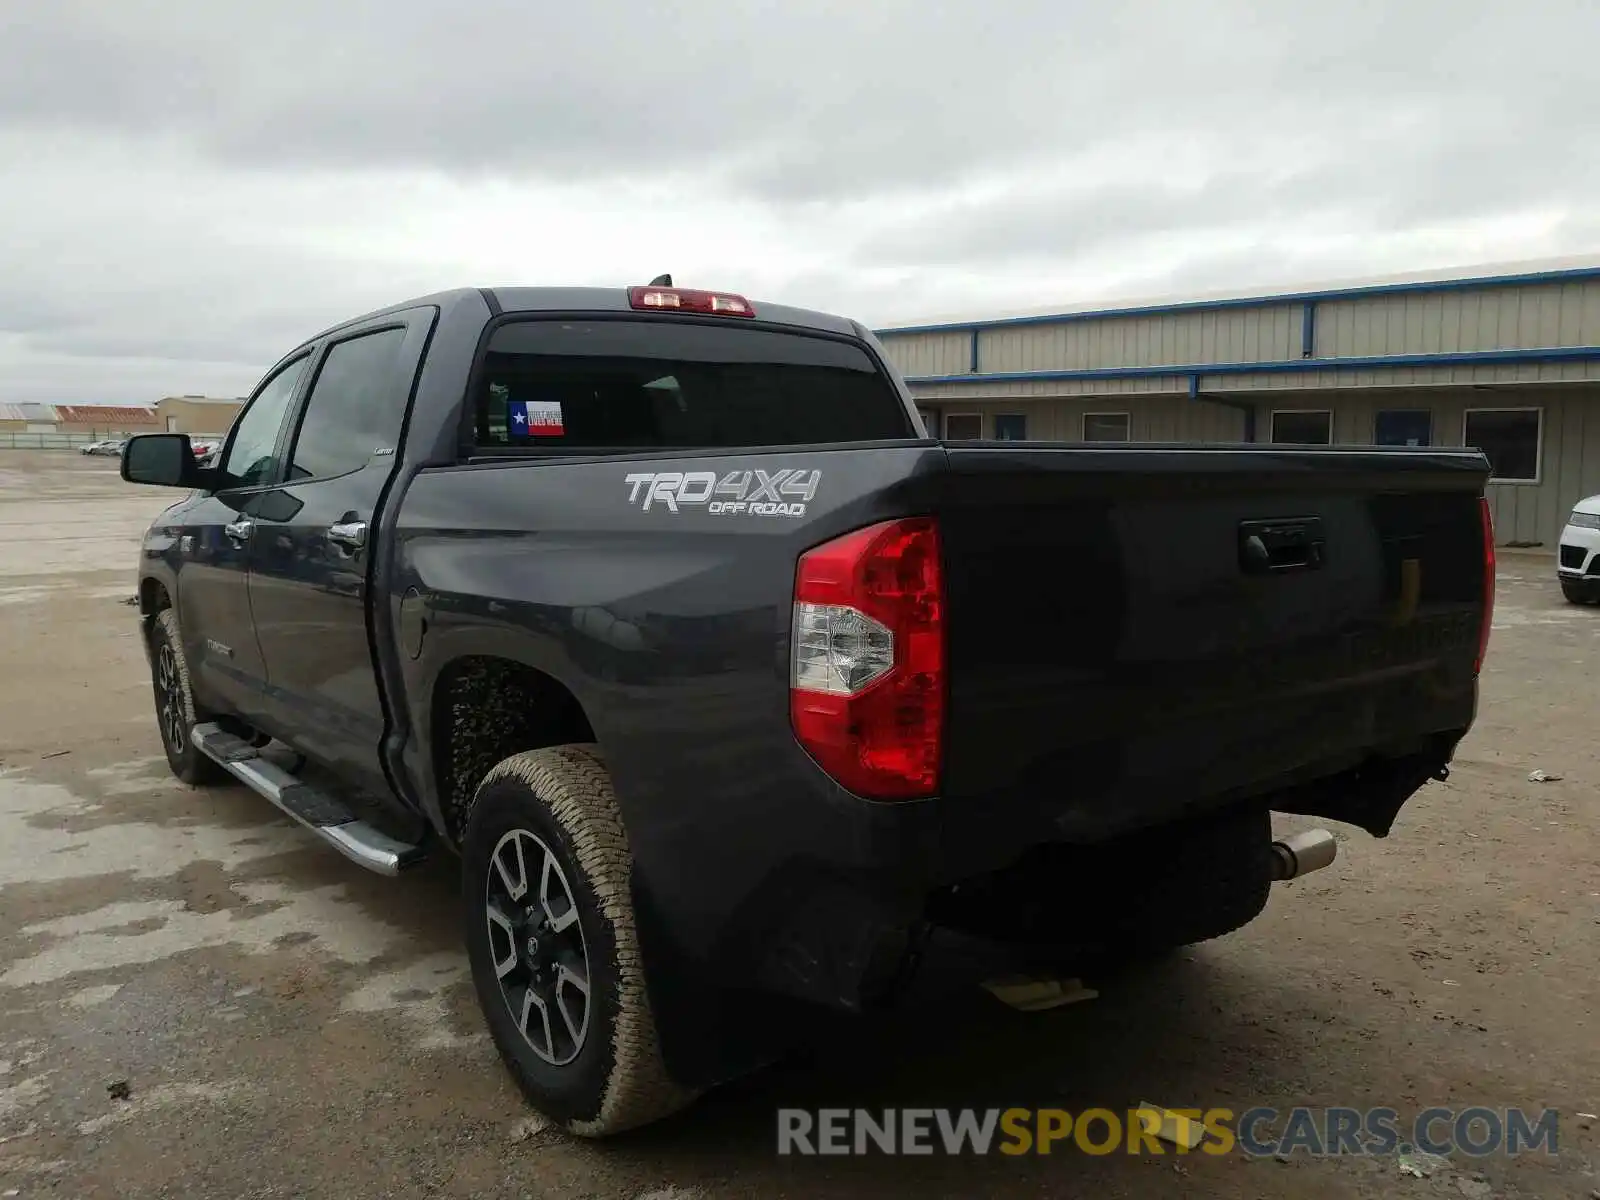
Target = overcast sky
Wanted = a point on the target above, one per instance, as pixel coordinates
(189, 187)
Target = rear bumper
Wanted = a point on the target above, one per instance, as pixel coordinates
(826, 904)
(825, 915)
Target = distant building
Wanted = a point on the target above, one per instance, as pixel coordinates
(105, 419)
(1507, 361)
(27, 418)
(206, 415)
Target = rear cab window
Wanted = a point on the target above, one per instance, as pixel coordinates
(626, 385)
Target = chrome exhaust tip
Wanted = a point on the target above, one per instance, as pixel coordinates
(1302, 854)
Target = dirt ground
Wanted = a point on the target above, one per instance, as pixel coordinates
(286, 1025)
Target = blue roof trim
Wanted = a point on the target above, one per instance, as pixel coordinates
(1527, 279)
(1464, 358)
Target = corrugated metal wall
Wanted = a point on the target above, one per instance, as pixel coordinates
(931, 353)
(1569, 466)
(1391, 377)
(1556, 314)
(1212, 335)
(1519, 316)
(1150, 420)
(1526, 317)
(1176, 385)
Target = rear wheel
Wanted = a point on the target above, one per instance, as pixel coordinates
(553, 944)
(176, 712)
(1210, 879)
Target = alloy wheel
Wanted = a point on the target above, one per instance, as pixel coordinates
(537, 945)
(170, 698)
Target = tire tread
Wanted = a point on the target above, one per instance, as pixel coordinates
(573, 783)
(196, 769)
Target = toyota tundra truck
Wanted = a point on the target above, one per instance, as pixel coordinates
(730, 687)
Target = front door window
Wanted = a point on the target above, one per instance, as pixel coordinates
(252, 452)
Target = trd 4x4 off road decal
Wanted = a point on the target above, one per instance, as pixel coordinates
(780, 493)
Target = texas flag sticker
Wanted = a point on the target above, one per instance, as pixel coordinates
(535, 418)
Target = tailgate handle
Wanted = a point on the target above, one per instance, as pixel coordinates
(1277, 547)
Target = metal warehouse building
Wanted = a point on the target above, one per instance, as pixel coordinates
(1506, 362)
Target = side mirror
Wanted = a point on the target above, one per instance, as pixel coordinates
(162, 459)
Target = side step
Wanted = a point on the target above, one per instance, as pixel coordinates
(324, 815)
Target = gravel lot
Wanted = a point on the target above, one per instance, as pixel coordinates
(289, 1026)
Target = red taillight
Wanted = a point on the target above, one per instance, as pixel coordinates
(866, 676)
(1488, 580)
(671, 299)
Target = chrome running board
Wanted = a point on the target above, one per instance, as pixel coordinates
(327, 817)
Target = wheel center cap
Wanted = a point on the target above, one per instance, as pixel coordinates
(533, 950)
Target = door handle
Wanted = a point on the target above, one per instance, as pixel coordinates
(239, 531)
(348, 533)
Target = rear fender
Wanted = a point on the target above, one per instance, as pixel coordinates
(707, 1034)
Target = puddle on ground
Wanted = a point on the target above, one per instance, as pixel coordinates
(420, 992)
(331, 921)
(35, 850)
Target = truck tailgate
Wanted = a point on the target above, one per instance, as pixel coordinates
(1134, 632)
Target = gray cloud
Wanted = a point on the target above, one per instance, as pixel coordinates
(1387, 179)
(194, 185)
(794, 101)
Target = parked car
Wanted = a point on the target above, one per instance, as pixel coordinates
(205, 450)
(729, 684)
(111, 447)
(1578, 566)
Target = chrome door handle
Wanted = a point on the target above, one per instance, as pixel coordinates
(348, 533)
(239, 531)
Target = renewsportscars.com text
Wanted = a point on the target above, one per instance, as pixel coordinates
(1315, 1132)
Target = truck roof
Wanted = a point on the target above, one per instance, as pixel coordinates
(596, 299)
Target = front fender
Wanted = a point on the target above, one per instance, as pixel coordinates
(159, 559)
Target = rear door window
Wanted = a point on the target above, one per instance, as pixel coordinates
(354, 410)
(627, 385)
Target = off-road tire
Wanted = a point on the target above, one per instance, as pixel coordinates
(176, 711)
(1211, 880)
(562, 795)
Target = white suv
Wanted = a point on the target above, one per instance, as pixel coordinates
(1580, 553)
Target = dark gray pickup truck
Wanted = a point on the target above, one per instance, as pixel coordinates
(731, 687)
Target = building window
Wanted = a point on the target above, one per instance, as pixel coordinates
(1105, 427)
(1402, 427)
(930, 420)
(1010, 427)
(963, 427)
(1302, 428)
(1511, 438)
